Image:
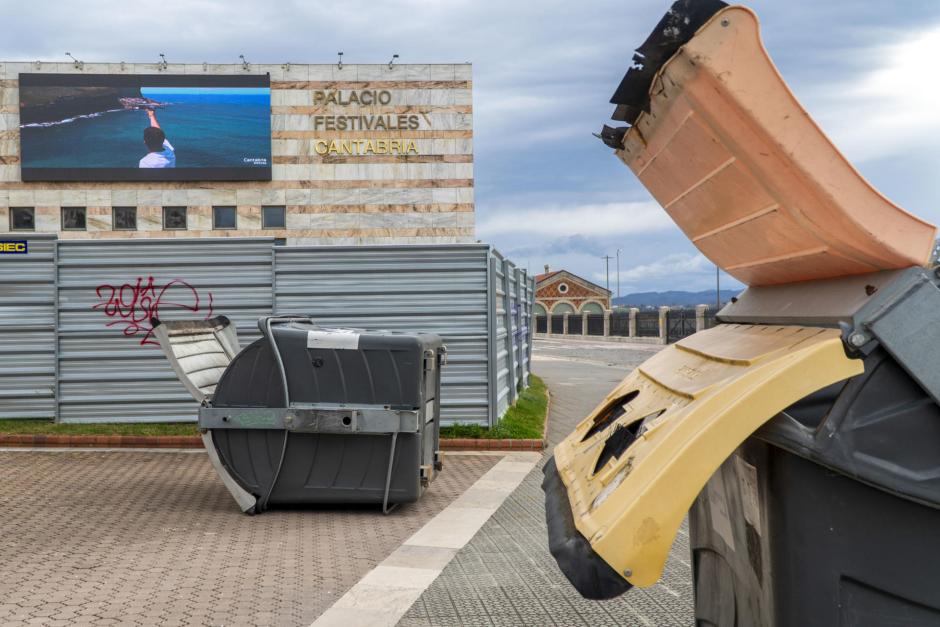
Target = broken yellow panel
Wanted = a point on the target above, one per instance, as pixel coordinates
(689, 408)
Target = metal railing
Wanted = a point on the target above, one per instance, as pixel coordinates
(664, 325)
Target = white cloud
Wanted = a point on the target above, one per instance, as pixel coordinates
(608, 219)
(668, 267)
(892, 108)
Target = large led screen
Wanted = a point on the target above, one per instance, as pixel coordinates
(141, 127)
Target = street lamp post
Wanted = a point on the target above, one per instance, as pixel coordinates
(618, 272)
(607, 259)
(717, 287)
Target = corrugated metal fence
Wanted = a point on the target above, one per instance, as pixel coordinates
(27, 330)
(110, 368)
(84, 352)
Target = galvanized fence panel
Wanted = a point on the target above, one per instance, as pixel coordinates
(541, 324)
(501, 365)
(680, 323)
(710, 319)
(619, 322)
(440, 289)
(647, 324)
(575, 324)
(110, 368)
(595, 324)
(27, 329)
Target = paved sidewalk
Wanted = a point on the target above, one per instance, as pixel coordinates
(505, 575)
(154, 538)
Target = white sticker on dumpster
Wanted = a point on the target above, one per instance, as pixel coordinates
(342, 339)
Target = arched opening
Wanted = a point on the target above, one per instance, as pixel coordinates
(562, 308)
(592, 308)
(539, 310)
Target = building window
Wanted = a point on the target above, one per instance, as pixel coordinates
(174, 218)
(73, 218)
(273, 218)
(224, 218)
(124, 218)
(22, 219)
(562, 288)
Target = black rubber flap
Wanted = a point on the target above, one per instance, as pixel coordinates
(677, 27)
(591, 576)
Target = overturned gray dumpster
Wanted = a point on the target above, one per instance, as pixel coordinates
(308, 414)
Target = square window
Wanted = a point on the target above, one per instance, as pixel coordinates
(174, 218)
(73, 218)
(273, 218)
(124, 218)
(224, 218)
(22, 219)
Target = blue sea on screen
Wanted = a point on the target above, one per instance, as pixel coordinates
(225, 127)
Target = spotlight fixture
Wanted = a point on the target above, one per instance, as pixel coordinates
(78, 65)
(286, 67)
(163, 64)
(340, 64)
(394, 56)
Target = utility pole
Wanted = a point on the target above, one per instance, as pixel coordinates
(718, 287)
(607, 259)
(618, 272)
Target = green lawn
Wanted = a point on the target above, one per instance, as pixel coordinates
(524, 420)
(47, 427)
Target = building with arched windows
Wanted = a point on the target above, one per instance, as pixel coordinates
(562, 292)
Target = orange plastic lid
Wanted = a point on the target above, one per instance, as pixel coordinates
(748, 175)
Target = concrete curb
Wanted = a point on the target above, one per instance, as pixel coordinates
(99, 441)
(484, 444)
(16, 440)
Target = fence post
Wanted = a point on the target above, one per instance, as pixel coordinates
(700, 317)
(564, 324)
(664, 324)
(492, 366)
(632, 325)
(509, 321)
(606, 322)
(584, 323)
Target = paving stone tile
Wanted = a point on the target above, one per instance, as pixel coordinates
(134, 537)
(506, 568)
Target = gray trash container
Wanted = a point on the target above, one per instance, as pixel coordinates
(308, 414)
(829, 514)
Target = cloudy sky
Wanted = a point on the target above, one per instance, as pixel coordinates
(547, 191)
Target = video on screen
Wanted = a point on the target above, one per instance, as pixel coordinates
(144, 127)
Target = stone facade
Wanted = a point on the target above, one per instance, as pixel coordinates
(556, 289)
(328, 198)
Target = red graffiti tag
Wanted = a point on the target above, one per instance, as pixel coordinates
(132, 305)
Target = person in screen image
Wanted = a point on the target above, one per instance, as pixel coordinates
(161, 153)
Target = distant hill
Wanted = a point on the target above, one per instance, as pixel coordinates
(673, 298)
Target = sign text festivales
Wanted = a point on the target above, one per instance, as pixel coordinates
(363, 122)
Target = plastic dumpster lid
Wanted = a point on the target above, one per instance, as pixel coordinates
(633, 467)
(198, 350)
(738, 163)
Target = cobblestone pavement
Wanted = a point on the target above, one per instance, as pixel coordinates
(505, 575)
(124, 538)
